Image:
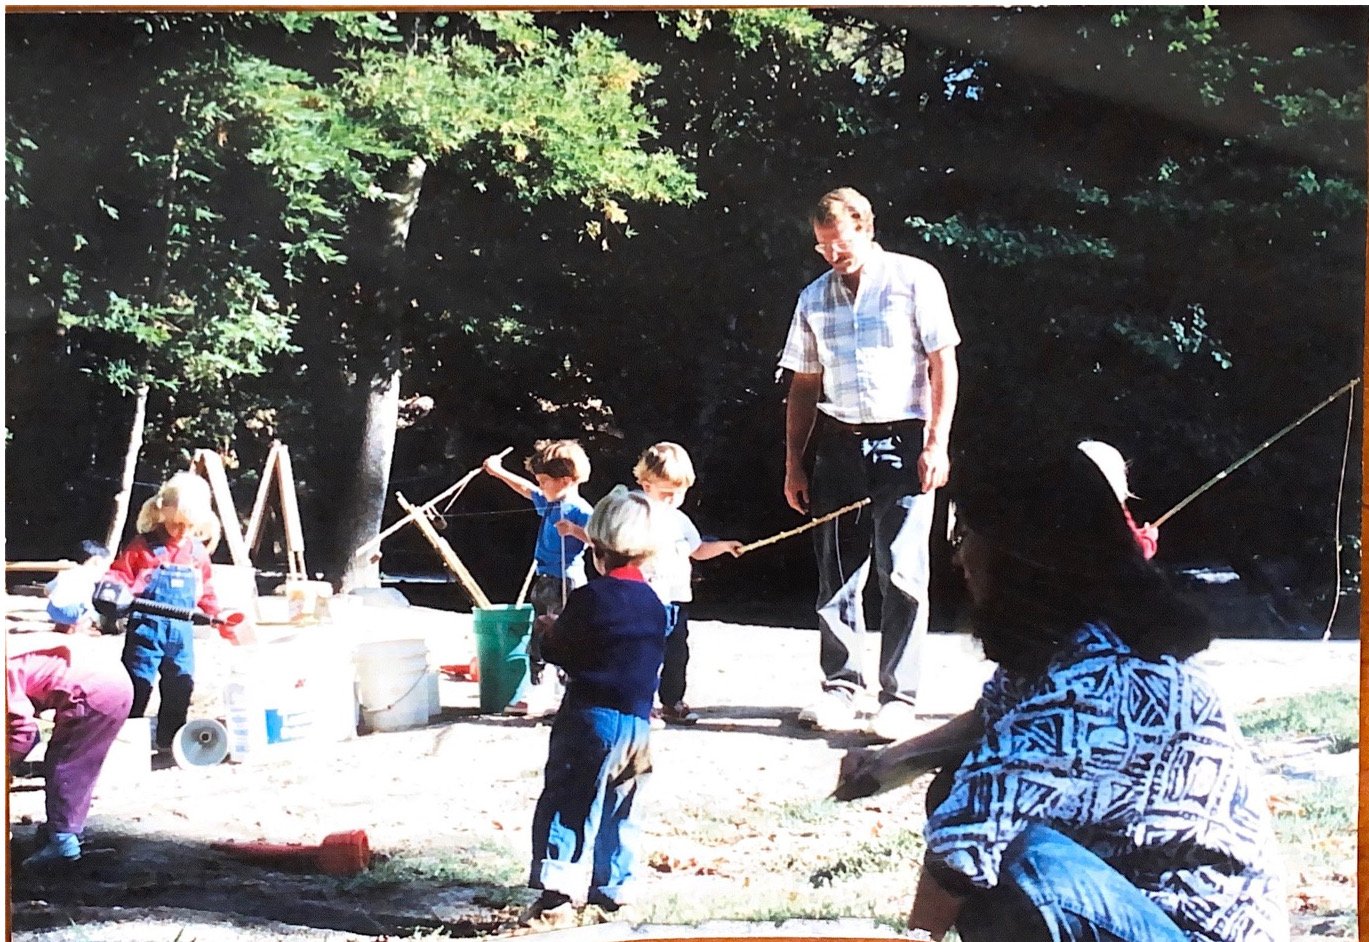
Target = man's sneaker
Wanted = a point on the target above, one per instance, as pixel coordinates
(679, 714)
(895, 721)
(657, 720)
(834, 710)
(516, 708)
(59, 848)
(551, 910)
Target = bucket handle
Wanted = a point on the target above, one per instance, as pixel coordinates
(421, 679)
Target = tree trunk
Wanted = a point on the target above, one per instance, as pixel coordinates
(124, 496)
(370, 477)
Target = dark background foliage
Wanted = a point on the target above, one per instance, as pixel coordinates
(1150, 220)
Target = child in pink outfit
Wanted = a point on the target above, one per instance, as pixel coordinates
(90, 695)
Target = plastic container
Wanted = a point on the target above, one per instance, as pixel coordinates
(501, 642)
(245, 719)
(393, 686)
(292, 690)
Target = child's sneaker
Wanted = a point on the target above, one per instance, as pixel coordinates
(679, 714)
(517, 708)
(59, 848)
(551, 910)
(657, 720)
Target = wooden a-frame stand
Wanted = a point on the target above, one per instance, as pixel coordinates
(279, 470)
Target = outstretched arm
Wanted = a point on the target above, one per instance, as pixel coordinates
(711, 548)
(867, 772)
(494, 467)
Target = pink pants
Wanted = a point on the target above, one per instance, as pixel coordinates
(91, 700)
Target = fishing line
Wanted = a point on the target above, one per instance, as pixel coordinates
(1340, 497)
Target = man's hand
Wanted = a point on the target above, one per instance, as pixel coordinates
(493, 464)
(933, 467)
(796, 489)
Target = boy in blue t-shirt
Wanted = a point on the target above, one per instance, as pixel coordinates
(610, 640)
(558, 467)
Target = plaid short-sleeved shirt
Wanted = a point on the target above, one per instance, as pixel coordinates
(871, 347)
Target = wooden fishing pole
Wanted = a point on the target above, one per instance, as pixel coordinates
(454, 491)
(807, 526)
(527, 582)
(1259, 448)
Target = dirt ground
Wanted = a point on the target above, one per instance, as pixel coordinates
(729, 797)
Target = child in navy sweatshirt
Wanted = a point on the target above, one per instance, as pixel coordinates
(610, 641)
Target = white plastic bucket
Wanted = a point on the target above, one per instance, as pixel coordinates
(293, 690)
(393, 684)
(245, 719)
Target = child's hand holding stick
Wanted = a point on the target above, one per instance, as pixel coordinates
(800, 529)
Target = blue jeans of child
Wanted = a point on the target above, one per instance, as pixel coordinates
(1052, 888)
(584, 834)
(156, 644)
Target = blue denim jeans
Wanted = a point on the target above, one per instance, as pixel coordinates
(584, 835)
(1052, 888)
(890, 534)
(156, 644)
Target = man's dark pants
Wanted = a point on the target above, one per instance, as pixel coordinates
(891, 532)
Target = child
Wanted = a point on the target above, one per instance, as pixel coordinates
(559, 467)
(70, 591)
(90, 698)
(610, 640)
(1114, 468)
(665, 474)
(168, 562)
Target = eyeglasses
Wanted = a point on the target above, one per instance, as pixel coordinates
(828, 249)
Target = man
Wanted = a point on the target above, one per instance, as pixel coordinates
(872, 350)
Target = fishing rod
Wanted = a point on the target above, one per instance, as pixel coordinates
(1255, 451)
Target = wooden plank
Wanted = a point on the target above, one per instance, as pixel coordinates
(56, 565)
(289, 513)
(209, 464)
(253, 535)
(444, 549)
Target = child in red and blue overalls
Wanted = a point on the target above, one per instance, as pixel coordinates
(168, 562)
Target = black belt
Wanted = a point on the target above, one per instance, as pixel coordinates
(832, 426)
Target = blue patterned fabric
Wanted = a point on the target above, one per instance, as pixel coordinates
(1139, 763)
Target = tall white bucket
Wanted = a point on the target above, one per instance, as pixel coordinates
(297, 690)
(393, 684)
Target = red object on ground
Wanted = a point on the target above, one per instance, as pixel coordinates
(469, 671)
(343, 854)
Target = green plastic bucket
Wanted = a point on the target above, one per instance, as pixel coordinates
(501, 643)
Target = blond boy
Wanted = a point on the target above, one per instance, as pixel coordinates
(666, 474)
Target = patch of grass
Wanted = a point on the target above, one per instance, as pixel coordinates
(898, 850)
(806, 811)
(771, 902)
(1317, 828)
(486, 863)
(1333, 713)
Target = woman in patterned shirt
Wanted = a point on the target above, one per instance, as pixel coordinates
(1108, 794)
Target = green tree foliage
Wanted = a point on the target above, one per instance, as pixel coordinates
(1150, 220)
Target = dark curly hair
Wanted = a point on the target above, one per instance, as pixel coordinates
(1056, 553)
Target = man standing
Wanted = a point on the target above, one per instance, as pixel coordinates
(872, 350)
